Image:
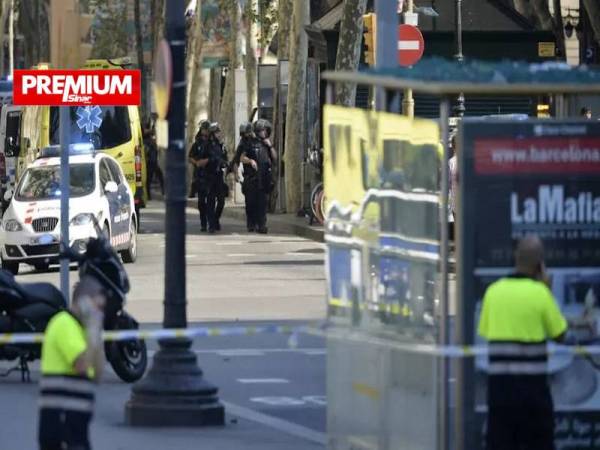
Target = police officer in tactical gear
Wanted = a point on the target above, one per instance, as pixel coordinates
(258, 160)
(221, 190)
(246, 143)
(199, 156)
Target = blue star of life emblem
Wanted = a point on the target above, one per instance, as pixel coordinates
(89, 117)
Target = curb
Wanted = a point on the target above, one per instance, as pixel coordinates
(274, 222)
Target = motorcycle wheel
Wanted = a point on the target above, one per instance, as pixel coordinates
(128, 359)
(12, 267)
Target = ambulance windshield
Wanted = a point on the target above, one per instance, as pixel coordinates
(103, 126)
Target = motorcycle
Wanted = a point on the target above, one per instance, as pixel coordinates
(28, 307)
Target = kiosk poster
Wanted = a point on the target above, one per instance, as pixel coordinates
(536, 177)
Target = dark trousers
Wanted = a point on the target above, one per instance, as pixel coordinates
(211, 208)
(153, 170)
(58, 428)
(220, 207)
(202, 205)
(256, 209)
(520, 414)
(511, 428)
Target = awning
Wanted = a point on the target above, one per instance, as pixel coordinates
(440, 77)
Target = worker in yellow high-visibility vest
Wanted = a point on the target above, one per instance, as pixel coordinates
(72, 359)
(519, 316)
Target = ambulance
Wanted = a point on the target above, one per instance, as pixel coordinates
(114, 130)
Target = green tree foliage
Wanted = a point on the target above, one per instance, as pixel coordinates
(109, 29)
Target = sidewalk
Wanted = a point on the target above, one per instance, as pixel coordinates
(277, 223)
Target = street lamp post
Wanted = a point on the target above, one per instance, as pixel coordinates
(459, 108)
(174, 393)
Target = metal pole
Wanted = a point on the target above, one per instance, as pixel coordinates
(175, 392)
(459, 109)
(387, 39)
(176, 167)
(408, 102)
(11, 38)
(65, 183)
(444, 434)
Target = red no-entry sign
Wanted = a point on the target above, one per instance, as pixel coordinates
(410, 45)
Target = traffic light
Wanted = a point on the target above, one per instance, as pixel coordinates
(370, 34)
(69, 47)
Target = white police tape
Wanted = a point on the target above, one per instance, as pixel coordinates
(443, 351)
(449, 351)
(169, 333)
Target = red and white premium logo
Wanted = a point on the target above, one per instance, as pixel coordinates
(76, 87)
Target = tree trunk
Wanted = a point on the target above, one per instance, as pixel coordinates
(189, 56)
(227, 112)
(157, 19)
(295, 122)
(349, 46)
(283, 54)
(542, 14)
(214, 93)
(559, 29)
(195, 76)
(3, 17)
(593, 10)
(524, 8)
(140, 55)
(250, 63)
(547, 22)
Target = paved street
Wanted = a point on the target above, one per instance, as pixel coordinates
(231, 276)
(273, 386)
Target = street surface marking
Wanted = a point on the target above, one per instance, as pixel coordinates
(278, 424)
(262, 380)
(191, 256)
(256, 351)
(229, 243)
(307, 400)
(313, 352)
(240, 255)
(238, 352)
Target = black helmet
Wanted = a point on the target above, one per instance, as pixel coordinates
(102, 263)
(215, 127)
(259, 126)
(204, 125)
(245, 127)
(262, 125)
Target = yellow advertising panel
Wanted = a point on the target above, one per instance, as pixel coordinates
(382, 178)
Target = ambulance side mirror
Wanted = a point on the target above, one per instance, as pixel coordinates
(8, 194)
(11, 147)
(111, 187)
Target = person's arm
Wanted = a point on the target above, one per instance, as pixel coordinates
(202, 162)
(483, 327)
(246, 160)
(555, 324)
(272, 152)
(191, 155)
(93, 356)
(197, 158)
